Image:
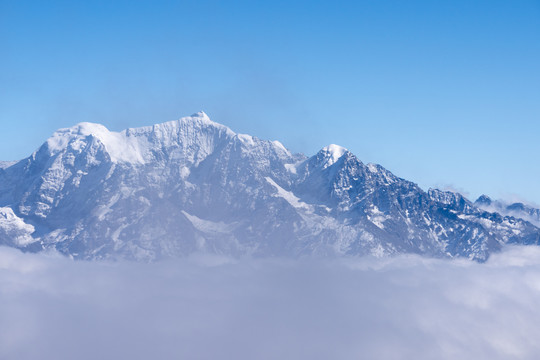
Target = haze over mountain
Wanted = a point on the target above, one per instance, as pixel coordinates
(193, 185)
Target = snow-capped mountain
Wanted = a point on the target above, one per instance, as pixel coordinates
(193, 185)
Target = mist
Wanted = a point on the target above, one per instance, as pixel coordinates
(209, 307)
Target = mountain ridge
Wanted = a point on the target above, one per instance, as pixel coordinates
(194, 185)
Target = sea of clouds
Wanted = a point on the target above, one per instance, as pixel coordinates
(406, 307)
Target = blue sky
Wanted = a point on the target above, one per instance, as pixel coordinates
(443, 93)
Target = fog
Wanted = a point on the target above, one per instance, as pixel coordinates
(406, 307)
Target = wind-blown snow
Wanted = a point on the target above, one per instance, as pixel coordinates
(130, 145)
(405, 307)
(521, 210)
(333, 153)
(121, 148)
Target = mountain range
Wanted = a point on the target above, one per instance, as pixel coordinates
(193, 185)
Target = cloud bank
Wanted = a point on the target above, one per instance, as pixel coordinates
(406, 307)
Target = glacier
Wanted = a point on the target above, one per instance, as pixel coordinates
(195, 186)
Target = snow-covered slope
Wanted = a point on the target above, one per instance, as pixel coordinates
(193, 185)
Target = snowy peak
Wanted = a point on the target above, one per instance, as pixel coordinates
(188, 140)
(483, 200)
(447, 197)
(195, 134)
(185, 126)
(119, 147)
(330, 154)
(63, 137)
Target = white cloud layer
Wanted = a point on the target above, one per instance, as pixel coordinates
(210, 308)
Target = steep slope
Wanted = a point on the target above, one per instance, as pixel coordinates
(193, 185)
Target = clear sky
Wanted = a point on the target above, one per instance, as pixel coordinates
(443, 93)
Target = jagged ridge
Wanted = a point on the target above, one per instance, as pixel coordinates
(194, 185)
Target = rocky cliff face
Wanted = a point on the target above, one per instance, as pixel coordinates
(193, 185)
